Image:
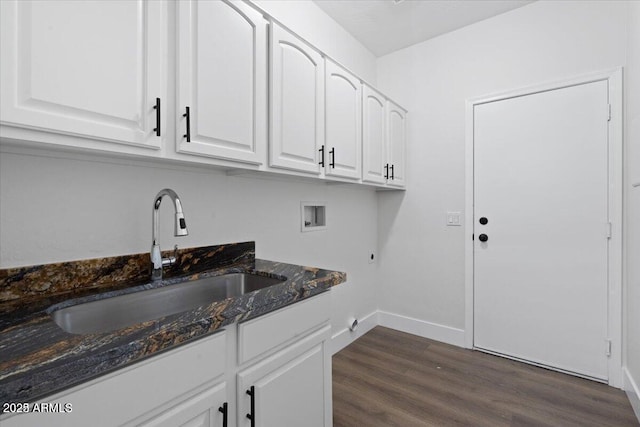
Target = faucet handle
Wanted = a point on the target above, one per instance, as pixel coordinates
(172, 259)
(166, 262)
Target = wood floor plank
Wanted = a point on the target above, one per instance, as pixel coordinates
(408, 391)
(389, 378)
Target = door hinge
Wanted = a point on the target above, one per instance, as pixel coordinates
(607, 347)
(609, 230)
(609, 113)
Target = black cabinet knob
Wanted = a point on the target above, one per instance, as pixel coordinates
(484, 220)
(483, 237)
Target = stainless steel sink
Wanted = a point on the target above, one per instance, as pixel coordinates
(114, 313)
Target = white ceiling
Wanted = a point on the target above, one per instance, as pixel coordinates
(384, 26)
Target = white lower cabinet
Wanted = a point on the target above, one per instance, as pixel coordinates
(156, 391)
(284, 367)
(205, 383)
(290, 388)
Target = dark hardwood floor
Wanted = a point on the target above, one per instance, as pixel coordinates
(389, 378)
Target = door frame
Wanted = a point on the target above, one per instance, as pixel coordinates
(615, 137)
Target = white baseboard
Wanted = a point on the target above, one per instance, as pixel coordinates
(343, 338)
(633, 392)
(422, 328)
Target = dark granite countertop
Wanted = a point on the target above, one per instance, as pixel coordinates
(38, 358)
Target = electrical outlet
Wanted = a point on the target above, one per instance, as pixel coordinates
(372, 258)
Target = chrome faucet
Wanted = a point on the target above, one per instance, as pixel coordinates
(157, 262)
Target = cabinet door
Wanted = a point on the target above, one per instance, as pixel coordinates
(290, 388)
(297, 103)
(202, 410)
(343, 123)
(222, 79)
(91, 69)
(374, 165)
(396, 144)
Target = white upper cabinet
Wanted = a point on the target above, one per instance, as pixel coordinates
(396, 144)
(343, 143)
(222, 80)
(297, 103)
(91, 69)
(384, 140)
(374, 165)
(248, 93)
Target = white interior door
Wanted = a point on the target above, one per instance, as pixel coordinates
(540, 180)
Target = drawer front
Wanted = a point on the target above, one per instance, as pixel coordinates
(131, 392)
(280, 327)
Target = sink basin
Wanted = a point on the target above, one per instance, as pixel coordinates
(114, 313)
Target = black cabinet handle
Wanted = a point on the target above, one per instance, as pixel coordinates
(392, 176)
(321, 150)
(157, 108)
(225, 410)
(333, 157)
(483, 237)
(484, 220)
(386, 171)
(188, 116)
(252, 415)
